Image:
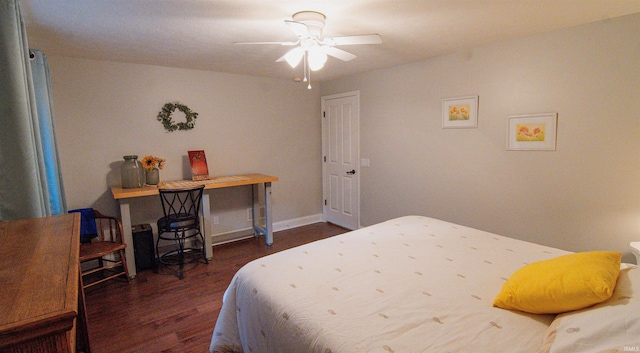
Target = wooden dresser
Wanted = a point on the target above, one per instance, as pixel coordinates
(41, 298)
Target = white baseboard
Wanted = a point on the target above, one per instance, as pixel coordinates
(297, 222)
(223, 238)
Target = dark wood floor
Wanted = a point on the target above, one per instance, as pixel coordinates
(157, 312)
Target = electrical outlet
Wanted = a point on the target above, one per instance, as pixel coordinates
(216, 220)
(249, 214)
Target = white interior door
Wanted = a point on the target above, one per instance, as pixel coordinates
(340, 167)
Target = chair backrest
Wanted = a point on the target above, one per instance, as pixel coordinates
(94, 224)
(108, 228)
(181, 207)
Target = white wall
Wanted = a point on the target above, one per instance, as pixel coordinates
(246, 124)
(583, 196)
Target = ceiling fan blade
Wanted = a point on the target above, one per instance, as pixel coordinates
(278, 43)
(340, 54)
(300, 29)
(360, 39)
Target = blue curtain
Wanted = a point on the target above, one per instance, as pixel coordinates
(47, 139)
(30, 182)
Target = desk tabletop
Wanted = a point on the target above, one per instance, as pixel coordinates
(39, 275)
(214, 183)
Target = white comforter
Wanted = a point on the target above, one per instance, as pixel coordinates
(411, 284)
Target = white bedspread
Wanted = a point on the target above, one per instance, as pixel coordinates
(411, 284)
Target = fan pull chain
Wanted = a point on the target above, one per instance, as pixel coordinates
(307, 70)
(304, 59)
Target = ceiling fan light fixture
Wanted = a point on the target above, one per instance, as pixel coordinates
(317, 59)
(313, 49)
(294, 56)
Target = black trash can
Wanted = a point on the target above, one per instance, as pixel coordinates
(143, 246)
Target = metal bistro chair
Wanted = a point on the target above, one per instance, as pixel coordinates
(181, 224)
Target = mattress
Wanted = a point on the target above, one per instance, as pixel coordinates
(411, 284)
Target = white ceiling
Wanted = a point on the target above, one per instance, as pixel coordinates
(199, 34)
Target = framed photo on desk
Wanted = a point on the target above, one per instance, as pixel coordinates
(199, 169)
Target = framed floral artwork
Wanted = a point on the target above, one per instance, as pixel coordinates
(460, 113)
(533, 132)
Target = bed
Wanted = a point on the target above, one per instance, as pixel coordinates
(411, 284)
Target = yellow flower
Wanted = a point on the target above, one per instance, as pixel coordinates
(150, 162)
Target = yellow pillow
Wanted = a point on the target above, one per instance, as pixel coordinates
(561, 284)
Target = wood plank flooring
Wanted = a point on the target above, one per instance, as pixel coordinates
(157, 312)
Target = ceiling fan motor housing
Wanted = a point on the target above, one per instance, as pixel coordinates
(312, 19)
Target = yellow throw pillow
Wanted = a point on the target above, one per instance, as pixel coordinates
(561, 284)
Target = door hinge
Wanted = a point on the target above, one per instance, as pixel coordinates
(325, 202)
(324, 114)
(325, 159)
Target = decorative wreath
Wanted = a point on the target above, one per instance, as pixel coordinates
(165, 117)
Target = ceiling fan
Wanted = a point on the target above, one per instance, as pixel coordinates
(311, 47)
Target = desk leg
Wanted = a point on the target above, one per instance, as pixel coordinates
(206, 222)
(125, 214)
(82, 331)
(268, 227)
(267, 214)
(255, 210)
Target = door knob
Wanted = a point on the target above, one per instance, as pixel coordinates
(351, 172)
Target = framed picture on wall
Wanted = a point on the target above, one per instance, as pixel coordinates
(533, 132)
(460, 113)
(199, 169)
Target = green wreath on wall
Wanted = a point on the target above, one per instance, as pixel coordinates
(167, 121)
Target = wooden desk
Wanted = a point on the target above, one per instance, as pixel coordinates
(124, 195)
(41, 300)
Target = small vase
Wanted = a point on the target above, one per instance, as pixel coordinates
(153, 176)
(132, 173)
